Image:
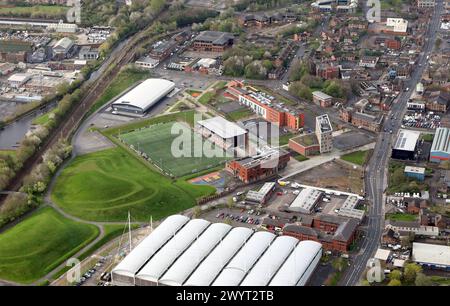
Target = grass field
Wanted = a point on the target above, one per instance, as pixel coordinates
(39, 243)
(35, 11)
(206, 97)
(358, 157)
(105, 185)
(43, 119)
(156, 141)
(401, 217)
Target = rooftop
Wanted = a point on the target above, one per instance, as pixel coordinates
(306, 199)
(431, 253)
(407, 140)
(306, 140)
(441, 141)
(321, 95)
(214, 37)
(419, 170)
(222, 127)
(324, 123)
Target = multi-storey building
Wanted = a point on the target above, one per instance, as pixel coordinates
(212, 41)
(426, 3)
(265, 105)
(254, 168)
(324, 133)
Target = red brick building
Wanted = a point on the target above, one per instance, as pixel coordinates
(265, 106)
(393, 44)
(251, 169)
(212, 41)
(327, 72)
(305, 145)
(335, 234)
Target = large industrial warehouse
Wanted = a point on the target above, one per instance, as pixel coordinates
(440, 150)
(184, 252)
(142, 97)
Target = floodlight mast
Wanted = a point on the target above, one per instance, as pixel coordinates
(129, 228)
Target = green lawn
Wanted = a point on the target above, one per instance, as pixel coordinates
(105, 185)
(206, 97)
(35, 11)
(428, 137)
(124, 80)
(401, 217)
(38, 244)
(300, 157)
(43, 119)
(358, 157)
(220, 85)
(156, 141)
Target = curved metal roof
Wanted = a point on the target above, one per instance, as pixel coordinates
(297, 264)
(162, 261)
(146, 94)
(150, 245)
(268, 265)
(191, 258)
(218, 258)
(238, 267)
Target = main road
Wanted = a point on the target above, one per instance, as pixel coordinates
(376, 176)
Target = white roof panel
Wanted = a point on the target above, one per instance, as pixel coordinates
(156, 267)
(222, 127)
(407, 140)
(297, 264)
(219, 257)
(268, 265)
(146, 94)
(191, 258)
(431, 254)
(238, 267)
(150, 245)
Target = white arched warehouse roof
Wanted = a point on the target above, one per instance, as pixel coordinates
(297, 264)
(156, 267)
(238, 267)
(150, 245)
(219, 257)
(146, 94)
(191, 258)
(268, 265)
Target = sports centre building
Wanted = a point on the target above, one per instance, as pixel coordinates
(185, 252)
(141, 98)
(405, 147)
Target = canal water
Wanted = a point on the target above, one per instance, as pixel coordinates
(12, 134)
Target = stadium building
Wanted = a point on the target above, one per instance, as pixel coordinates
(142, 97)
(197, 253)
(440, 150)
(225, 134)
(405, 146)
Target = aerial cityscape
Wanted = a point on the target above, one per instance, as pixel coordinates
(227, 143)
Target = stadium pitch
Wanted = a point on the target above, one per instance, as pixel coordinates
(155, 141)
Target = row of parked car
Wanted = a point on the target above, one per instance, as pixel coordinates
(239, 218)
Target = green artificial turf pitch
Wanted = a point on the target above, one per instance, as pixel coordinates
(156, 141)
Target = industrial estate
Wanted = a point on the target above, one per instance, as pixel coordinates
(225, 143)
